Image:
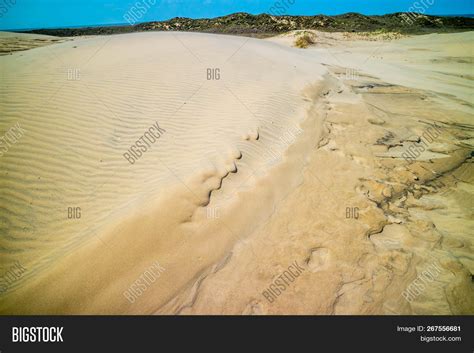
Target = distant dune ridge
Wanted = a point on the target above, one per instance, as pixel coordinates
(267, 24)
(254, 170)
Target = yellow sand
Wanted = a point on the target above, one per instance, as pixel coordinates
(211, 200)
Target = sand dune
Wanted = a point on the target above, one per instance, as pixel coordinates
(83, 104)
(243, 170)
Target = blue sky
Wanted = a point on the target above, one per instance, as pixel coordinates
(21, 14)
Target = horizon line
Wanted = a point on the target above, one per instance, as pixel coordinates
(126, 24)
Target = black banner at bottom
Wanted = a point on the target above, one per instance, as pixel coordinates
(203, 333)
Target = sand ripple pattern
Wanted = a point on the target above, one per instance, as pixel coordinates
(83, 103)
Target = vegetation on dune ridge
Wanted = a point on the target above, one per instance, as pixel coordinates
(267, 25)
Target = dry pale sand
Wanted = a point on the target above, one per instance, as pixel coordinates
(253, 172)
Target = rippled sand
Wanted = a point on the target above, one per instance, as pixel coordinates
(259, 151)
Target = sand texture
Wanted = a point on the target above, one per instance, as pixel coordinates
(264, 156)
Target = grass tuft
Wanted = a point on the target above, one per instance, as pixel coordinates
(305, 40)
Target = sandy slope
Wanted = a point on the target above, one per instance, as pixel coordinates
(414, 217)
(12, 42)
(84, 103)
(211, 200)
